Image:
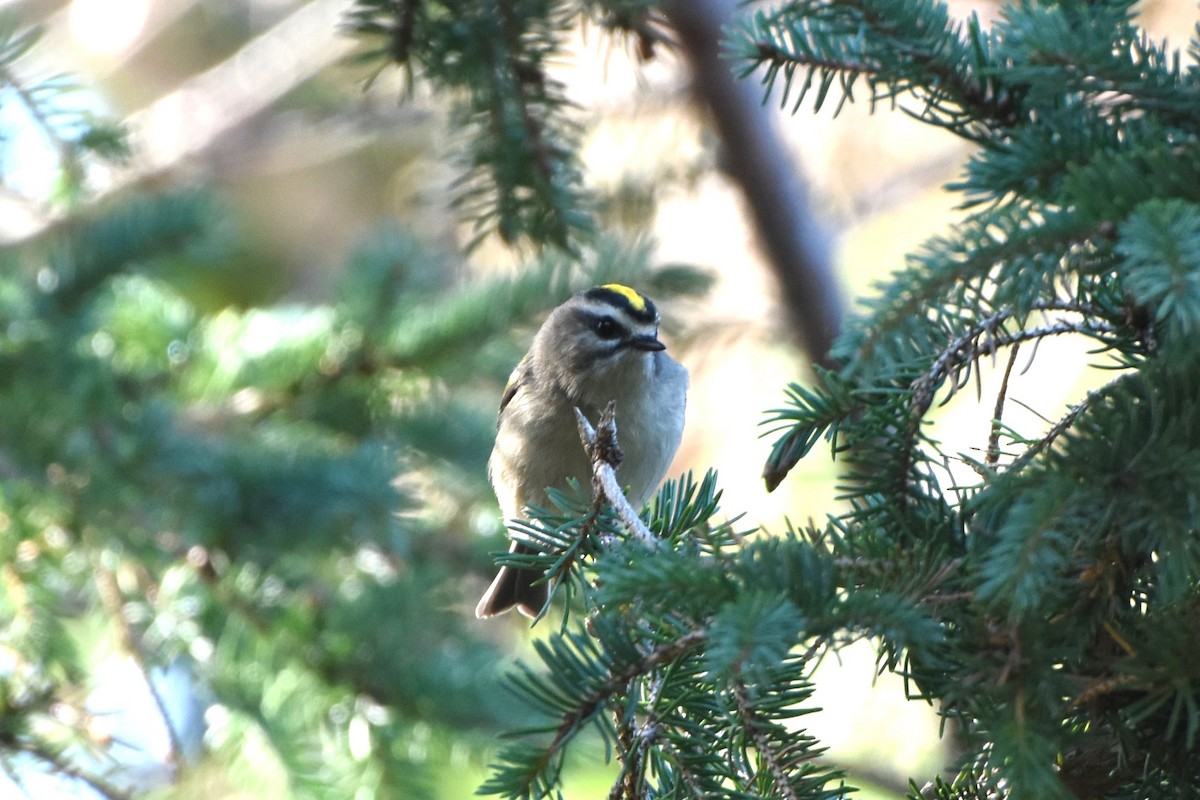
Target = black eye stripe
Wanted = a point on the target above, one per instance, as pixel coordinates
(604, 326)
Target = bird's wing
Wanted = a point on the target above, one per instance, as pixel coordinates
(519, 377)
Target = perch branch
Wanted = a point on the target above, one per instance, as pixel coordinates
(601, 445)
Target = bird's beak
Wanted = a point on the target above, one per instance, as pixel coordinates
(647, 343)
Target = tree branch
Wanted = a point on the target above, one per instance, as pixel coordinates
(766, 749)
(968, 348)
(618, 681)
(601, 445)
(757, 160)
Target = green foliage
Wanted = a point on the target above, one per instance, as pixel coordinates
(264, 496)
(495, 59)
(73, 133)
(692, 706)
(1045, 608)
(521, 177)
(243, 494)
(1160, 264)
(172, 466)
(1077, 543)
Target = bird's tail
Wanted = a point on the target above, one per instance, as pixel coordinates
(516, 587)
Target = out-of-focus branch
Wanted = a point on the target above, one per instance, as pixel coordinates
(756, 159)
(199, 112)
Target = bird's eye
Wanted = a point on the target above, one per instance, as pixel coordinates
(605, 328)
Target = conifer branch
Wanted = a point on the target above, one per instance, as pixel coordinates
(641, 22)
(968, 348)
(1066, 421)
(764, 745)
(626, 785)
(33, 105)
(1051, 607)
(636, 741)
(896, 47)
(528, 85)
(521, 179)
(618, 683)
(963, 271)
(687, 775)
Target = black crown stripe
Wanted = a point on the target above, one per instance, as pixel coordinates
(636, 305)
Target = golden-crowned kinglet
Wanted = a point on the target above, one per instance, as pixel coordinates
(600, 345)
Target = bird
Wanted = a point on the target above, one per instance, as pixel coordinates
(600, 345)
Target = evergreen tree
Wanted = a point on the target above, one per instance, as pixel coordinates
(264, 507)
(1048, 609)
(246, 495)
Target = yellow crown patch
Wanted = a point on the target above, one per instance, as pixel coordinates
(635, 300)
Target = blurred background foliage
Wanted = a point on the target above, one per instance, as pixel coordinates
(251, 342)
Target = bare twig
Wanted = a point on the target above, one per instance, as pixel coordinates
(601, 445)
(985, 338)
(993, 448)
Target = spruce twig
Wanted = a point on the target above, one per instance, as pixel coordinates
(992, 457)
(601, 445)
(618, 682)
(765, 747)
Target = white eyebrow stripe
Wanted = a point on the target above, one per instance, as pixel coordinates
(617, 313)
